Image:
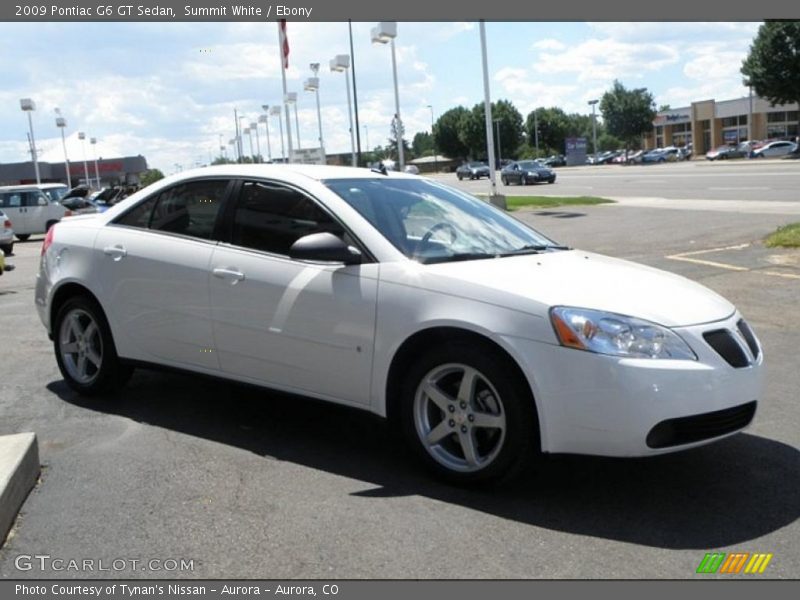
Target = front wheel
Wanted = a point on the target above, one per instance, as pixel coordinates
(523, 180)
(460, 177)
(467, 415)
(85, 351)
(504, 179)
(23, 237)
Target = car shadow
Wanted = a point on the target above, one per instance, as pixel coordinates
(559, 214)
(731, 492)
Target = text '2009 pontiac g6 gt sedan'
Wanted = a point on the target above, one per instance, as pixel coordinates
(484, 341)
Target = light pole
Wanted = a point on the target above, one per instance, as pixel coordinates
(385, 33)
(433, 139)
(82, 138)
(593, 103)
(28, 106)
(232, 144)
(312, 85)
(93, 142)
(240, 135)
(254, 127)
(221, 147)
(249, 133)
(277, 111)
(487, 104)
(499, 151)
(265, 120)
(341, 64)
(61, 123)
(291, 99)
(366, 135)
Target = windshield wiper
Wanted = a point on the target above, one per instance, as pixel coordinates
(534, 249)
(458, 257)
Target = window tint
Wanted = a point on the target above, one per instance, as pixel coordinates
(187, 209)
(139, 216)
(35, 199)
(271, 217)
(11, 200)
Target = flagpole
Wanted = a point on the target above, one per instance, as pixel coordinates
(283, 50)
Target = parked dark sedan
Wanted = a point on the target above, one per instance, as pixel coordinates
(472, 170)
(556, 160)
(525, 172)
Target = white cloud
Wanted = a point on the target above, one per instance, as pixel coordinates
(607, 59)
(548, 44)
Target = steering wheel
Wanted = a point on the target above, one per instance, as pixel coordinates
(430, 233)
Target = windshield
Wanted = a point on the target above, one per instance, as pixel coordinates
(55, 194)
(429, 222)
(529, 164)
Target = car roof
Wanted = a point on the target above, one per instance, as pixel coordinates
(30, 186)
(316, 172)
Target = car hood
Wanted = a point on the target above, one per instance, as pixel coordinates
(534, 283)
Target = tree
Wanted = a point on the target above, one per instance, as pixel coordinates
(554, 126)
(422, 144)
(150, 176)
(445, 133)
(472, 129)
(773, 65)
(627, 114)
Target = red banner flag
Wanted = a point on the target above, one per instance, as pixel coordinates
(284, 44)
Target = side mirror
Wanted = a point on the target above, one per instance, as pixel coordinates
(324, 247)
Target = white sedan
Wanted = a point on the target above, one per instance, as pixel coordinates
(481, 339)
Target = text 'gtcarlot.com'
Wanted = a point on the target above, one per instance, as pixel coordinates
(45, 562)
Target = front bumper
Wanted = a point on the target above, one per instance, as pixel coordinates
(603, 405)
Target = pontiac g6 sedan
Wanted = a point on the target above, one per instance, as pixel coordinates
(482, 340)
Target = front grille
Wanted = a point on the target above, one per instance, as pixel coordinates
(748, 336)
(727, 347)
(686, 430)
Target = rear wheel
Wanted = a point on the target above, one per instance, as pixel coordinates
(23, 237)
(85, 351)
(467, 415)
(523, 180)
(504, 179)
(50, 224)
(460, 177)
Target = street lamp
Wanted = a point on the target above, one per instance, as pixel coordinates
(28, 106)
(312, 85)
(82, 138)
(385, 33)
(93, 142)
(366, 135)
(592, 103)
(433, 139)
(254, 127)
(61, 123)
(341, 64)
(291, 99)
(249, 134)
(265, 120)
(277, 111)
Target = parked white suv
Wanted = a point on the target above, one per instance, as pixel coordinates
(30, 209)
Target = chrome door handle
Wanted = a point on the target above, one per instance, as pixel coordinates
(115, 251)
(228, 273)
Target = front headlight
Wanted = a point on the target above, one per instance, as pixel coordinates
(616, 335)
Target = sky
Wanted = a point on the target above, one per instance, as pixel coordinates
(168, 91)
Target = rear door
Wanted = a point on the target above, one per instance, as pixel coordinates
(154, 268)
(37, 211)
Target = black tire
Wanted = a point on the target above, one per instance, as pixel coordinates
(523, 180)
(23, 237)
(504, 179)
(508, 450)
(460, 177)
(49, 225)
(8, 249)
(553, 180)
(110, 373)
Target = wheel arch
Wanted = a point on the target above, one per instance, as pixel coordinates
(66, 291)
(416, 343)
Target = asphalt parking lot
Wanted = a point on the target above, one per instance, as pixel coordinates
(252, 484)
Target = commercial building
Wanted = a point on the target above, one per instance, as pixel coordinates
(113, 171)
(708, 124)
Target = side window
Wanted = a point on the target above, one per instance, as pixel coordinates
(11, 200)
(187, 209)
(271, 217)
(35, 199)
(139, 215)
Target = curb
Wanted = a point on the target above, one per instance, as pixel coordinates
(19, 470)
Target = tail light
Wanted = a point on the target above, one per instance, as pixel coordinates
(7, 224)
(48, 239)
